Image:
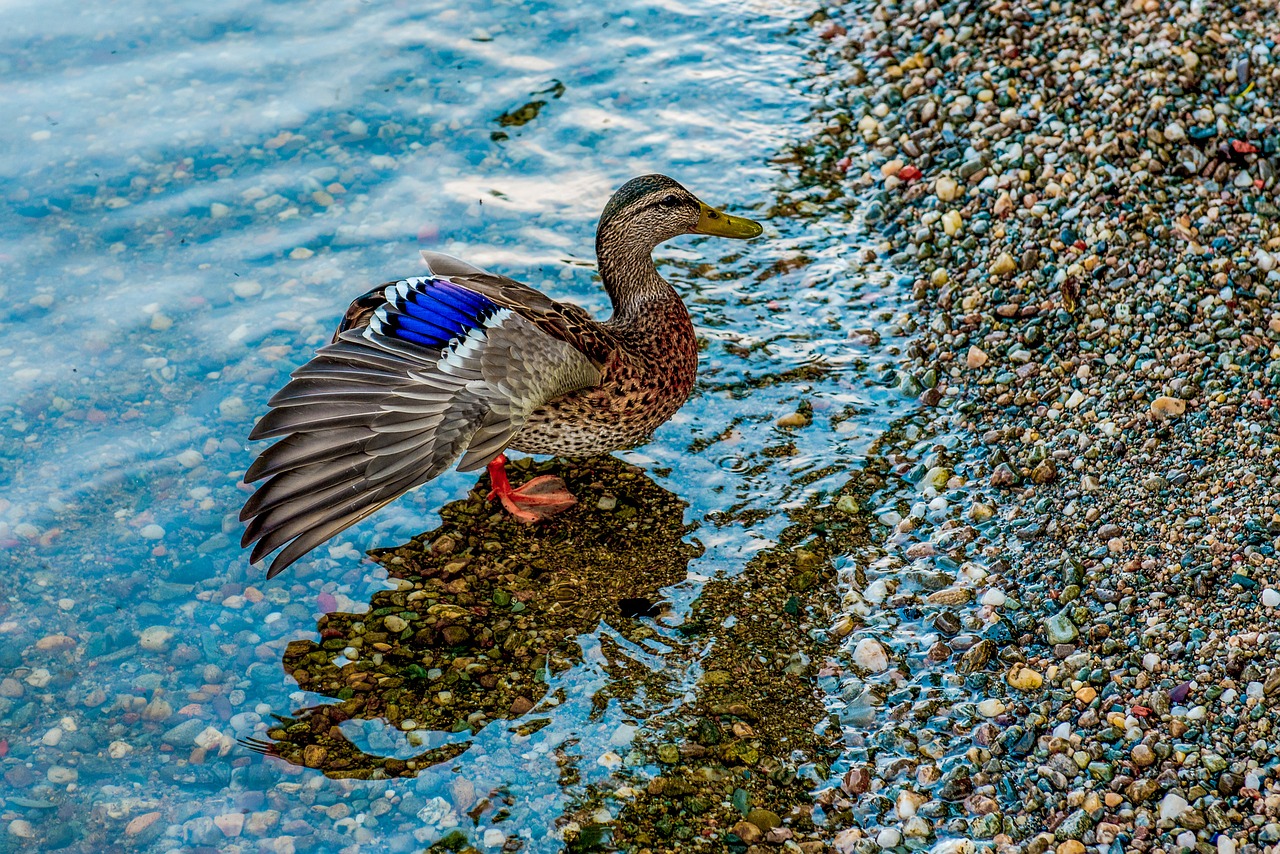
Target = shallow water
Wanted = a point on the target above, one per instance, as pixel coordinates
(190, 198)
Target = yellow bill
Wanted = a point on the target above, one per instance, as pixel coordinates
(721, 224)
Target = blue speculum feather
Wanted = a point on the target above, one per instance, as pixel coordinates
(437, 311)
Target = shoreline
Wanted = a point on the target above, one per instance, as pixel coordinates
(1088, 199)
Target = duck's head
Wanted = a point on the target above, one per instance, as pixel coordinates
(653, 208)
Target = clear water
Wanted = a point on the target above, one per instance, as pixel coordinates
(190, 194)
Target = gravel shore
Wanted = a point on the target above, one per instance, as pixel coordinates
(1067, 638)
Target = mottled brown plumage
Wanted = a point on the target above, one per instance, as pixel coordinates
(465, 363)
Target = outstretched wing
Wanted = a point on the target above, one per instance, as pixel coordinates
(433, 372)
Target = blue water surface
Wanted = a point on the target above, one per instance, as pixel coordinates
(190, 194)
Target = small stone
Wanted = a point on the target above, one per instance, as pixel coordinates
(1023, 678)
(151, 532)
(792, 420)
(230, 823)
(1044, 472)
(1060, 629)
(947, 189)
(139, 823)
(156, 638)
(22, 829)
(1168, 407)
(950, 596)
(991, 707)
(314, 755)
(260, 823)
(869, 654)
(764, 819)
(1270, 597)
(1142, 755)
(60, 775)
(952, 223)
(394, 624)
(39, 677)
(975, 358)
(889, 837)
(1003, 265)
(748, 832)
(1172, 806)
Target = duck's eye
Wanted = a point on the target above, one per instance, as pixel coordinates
(671, 201)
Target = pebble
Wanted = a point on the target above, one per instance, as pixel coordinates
(1271, 597)
(156, 638)
(1024, 678)
(871, 655)
(231, 823)
(60, 775)
(1003, 265)
(22, 829)
(1168, 407)
(139, 823)
(1172, 807)
(889, 837)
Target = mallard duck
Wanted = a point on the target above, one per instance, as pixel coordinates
(465, 363)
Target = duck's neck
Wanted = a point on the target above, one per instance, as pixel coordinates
(630, 278)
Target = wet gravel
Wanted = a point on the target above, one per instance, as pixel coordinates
(1064, 639)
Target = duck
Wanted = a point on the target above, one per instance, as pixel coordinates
(462, 364)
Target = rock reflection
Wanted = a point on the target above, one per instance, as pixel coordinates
(486, 613)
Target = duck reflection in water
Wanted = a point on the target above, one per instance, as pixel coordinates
(486, 612)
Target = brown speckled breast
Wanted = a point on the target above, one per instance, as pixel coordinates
(639, 392)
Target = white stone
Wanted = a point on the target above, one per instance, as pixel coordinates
(22, 829)
(494, 837)
(889, 837)
(876, 592)
(1150, 661)
(953, 846)
(212, 737)
(155, 638)
(152, 532)
(991, 707)
(60, 775)
(1226, 845)
(1173, 806)
(1270, 597)
(994, 597)
(871, 655)
(190, 458)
